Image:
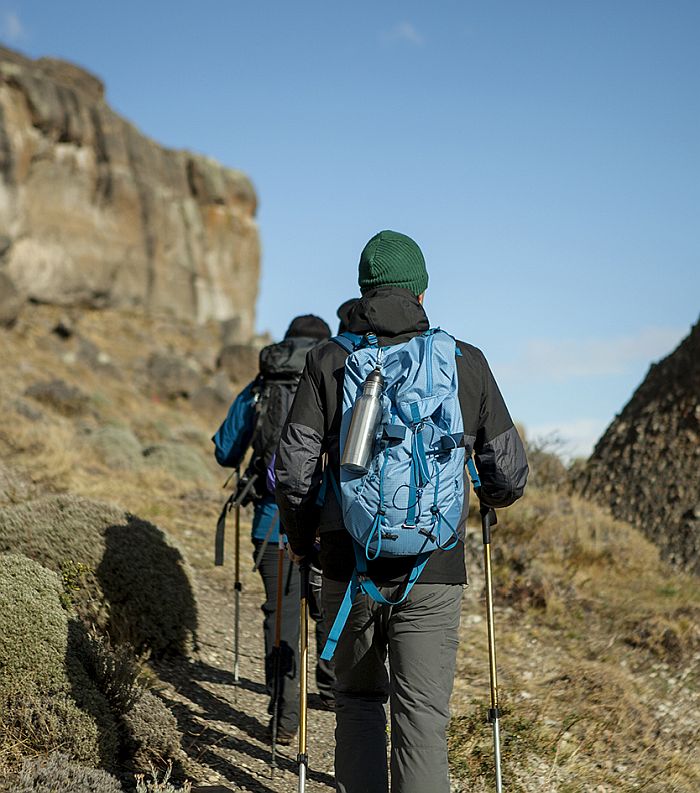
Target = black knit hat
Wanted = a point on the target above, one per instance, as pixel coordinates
(308, 326)
(343, 313)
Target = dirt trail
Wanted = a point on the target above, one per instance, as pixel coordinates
(223, 724)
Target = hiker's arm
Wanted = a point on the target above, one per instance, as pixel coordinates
(499, 453)
(233, 436)
(298, 463)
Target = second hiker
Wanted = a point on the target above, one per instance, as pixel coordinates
(255, 420)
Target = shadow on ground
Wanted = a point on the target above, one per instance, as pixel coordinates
(214, 727)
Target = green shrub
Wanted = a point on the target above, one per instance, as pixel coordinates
(179, 459)
(115, 671)
(122, 572)
(59, 774)
(154, 785)
(36, 723)
(48, 700)
(152, 734)
(117, 447)
(33, 624)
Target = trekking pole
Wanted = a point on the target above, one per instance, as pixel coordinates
(302, 757)
(237, 589)
(277, 653)
(488, 519)
(238, 497)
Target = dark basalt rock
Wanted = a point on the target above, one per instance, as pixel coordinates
(646, 467)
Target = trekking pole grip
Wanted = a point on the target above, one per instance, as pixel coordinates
(488, 519)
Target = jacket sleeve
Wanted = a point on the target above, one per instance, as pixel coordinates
(234, 435)
(499, 452)
(298, 462)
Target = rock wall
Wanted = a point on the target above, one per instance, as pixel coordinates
(646, 466)
(94, 213)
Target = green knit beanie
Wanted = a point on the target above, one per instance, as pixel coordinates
(392, 259)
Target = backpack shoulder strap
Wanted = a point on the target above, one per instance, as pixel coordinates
(348, 341)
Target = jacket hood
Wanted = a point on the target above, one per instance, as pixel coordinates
(393, 314)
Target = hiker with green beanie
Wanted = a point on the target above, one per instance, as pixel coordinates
(392, 517)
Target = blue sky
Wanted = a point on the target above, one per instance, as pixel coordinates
(545, 155)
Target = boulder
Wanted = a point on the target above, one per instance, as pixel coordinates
(172, 376)
(214, 398)
(57, 394)
(10, 301)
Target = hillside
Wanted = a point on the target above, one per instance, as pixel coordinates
(598, 639)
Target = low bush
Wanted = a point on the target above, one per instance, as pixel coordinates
(37, 723)
(48, 700)
(152, 737)
(121, 572)
(155, 785)
(58, 774)
(117, 447)
(60, 396)
(33, 624)
(115, 671)
(180, 460)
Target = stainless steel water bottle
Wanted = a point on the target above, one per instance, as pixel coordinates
(357, 453)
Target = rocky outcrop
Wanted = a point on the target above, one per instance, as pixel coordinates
(94, 213)
(10, 301)
(646, 466)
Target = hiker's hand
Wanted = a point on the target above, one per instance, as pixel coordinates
(294, 557)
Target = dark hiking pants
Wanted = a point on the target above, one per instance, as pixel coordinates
(325, 676)
(420, 637)
(289, 636)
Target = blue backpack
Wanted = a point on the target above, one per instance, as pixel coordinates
(410, 501)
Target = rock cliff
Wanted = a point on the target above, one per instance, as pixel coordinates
(94, 213)
(646, 466)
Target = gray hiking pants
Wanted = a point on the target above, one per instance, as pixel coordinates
(421, 637)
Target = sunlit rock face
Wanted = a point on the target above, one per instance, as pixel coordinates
(646, 466)
(94, 213)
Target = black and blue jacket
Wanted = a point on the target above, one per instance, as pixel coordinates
(311, 436)
(256, 418)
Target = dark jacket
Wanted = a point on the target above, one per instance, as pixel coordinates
(256, 418)
(313, 426)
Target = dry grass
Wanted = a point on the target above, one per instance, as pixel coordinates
(599, 652)
(598, 640)
(55, 452)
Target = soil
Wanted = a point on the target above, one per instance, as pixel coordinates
(223, 723)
